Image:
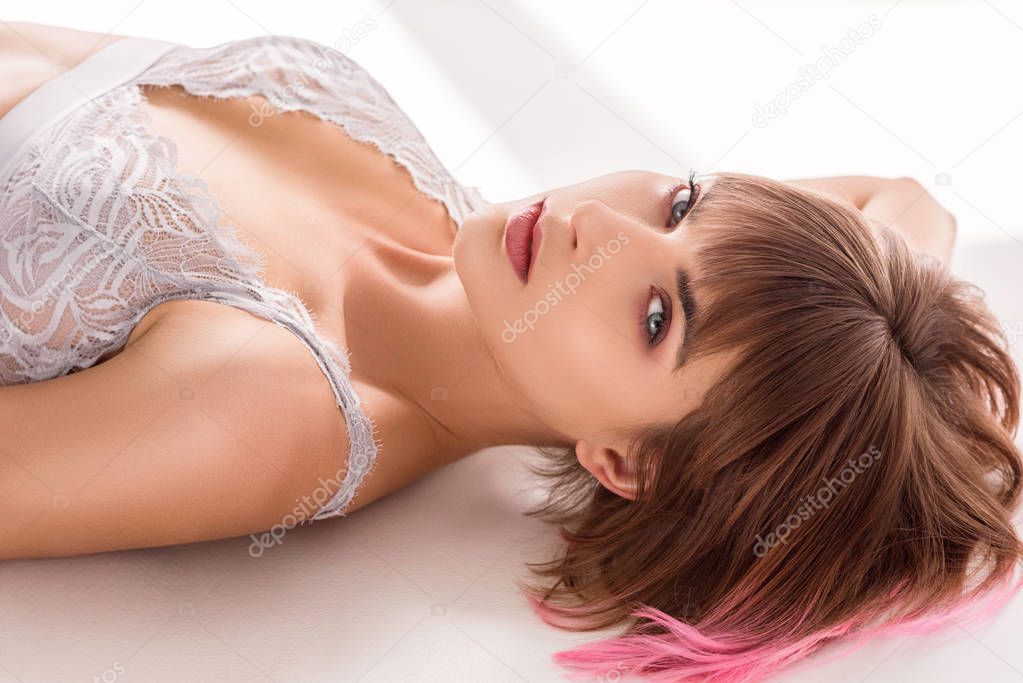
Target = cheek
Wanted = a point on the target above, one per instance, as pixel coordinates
(577, 368)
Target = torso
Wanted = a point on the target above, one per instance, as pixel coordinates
(333, 218)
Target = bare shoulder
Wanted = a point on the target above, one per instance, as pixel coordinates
(247, 365)
(31, 54)
(56, 43)
(211, 423)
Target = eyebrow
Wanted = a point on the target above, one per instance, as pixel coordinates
(688, 312)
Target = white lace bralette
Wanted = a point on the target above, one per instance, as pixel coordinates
(97, 226)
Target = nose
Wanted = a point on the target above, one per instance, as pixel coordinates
(586, 222)
(593, 223)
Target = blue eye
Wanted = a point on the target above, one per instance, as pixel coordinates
(655, 317)
(681, 199)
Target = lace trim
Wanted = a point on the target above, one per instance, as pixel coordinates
(323, 82)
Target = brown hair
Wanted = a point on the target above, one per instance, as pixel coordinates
(856, 355)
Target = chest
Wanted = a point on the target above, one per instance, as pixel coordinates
(313, 201)
(328, 214)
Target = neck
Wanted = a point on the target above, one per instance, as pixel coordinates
(416, 337)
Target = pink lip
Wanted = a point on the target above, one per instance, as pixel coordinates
(522, 236)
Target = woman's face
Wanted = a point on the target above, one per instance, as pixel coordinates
(590, 340)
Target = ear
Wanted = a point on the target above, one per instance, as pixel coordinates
(612, 468)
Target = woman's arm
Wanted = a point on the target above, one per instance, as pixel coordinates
(902, 204)
(210, 425)
(31, 54)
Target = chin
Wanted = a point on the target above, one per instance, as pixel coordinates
(485, 275)
(477, 244)
(464, 244)
(474, 262)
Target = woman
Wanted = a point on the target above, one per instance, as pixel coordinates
(700, 357)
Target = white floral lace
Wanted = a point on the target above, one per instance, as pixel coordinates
(98, 227)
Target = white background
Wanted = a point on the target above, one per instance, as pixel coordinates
(516, 96)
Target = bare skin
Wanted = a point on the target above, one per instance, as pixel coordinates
(385, 275)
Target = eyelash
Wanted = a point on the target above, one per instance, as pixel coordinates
(645, 313)
(694, 192)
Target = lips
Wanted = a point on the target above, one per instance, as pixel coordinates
(522, 236)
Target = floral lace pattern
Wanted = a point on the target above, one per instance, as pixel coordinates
(98, 226)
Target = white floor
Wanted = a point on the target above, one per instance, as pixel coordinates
(517, 96)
